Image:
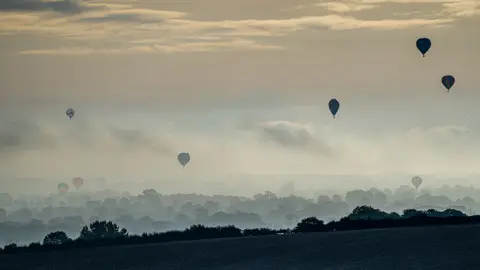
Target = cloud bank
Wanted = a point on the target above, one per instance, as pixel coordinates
(62, 6)
(119, 28)
(276, 146)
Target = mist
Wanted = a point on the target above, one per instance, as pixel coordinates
(233, 151)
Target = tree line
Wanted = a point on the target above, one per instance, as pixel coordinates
(107, 233)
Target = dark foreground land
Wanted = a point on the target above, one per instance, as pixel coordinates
(441, 247)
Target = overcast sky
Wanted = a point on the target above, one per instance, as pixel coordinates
(241, 85)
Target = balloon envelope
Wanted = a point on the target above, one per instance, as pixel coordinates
(62, 187)
(70, 113)
(448, 81)
(77, 182)
(183, 158)
(416, 181)
(334, 105)
(423, 45)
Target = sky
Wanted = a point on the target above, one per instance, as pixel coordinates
(241, 85)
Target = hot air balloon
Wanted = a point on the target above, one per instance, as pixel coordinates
(70, 113)
(423, 45)
(416, 181)
(77, 182)
(334, 105)
(62, 188)
(183, 158)
(448, 81)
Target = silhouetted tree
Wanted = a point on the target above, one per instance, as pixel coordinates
(379, 198)
(56, 238)
(267, 195)
(149, 192)
(310, 224)
(454, 213)
(150, 196)
(408, 213)
(445, 213)
(367, 212)
(323, 199)
(102, 230)
(35, 245)
(337, 198)
(124, 202)
(10, 247)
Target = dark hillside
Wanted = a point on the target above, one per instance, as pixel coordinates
(442, 247)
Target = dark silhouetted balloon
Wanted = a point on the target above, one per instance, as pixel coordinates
(70, 113)
(416, 181)
(334, 105)
(62, 187)
(183, 158)
(77, 182)
(448, 81)
(423, 45)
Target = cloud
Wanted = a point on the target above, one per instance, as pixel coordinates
(130, 15)
(439, 135)
(62, 6)
(233, 45)
(233, 41)
(87, 51)
(345, 7)
(455, 8)
(19, 136)
(134, 139)
(462, 8)
(287, 133)
(291, 136)
(109, 28)
(334, 22)
(406, 1)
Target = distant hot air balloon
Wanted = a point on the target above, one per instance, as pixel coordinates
(448, 81)
(416, 181)
(62, 188)
(70, 113)
(334, 105)
(423, 45)
(183, 158)
(77, 182)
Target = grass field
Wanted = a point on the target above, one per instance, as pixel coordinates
(448, 247)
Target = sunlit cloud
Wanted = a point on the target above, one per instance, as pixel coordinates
(345, 7)
(232, 45)
(127, 23)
